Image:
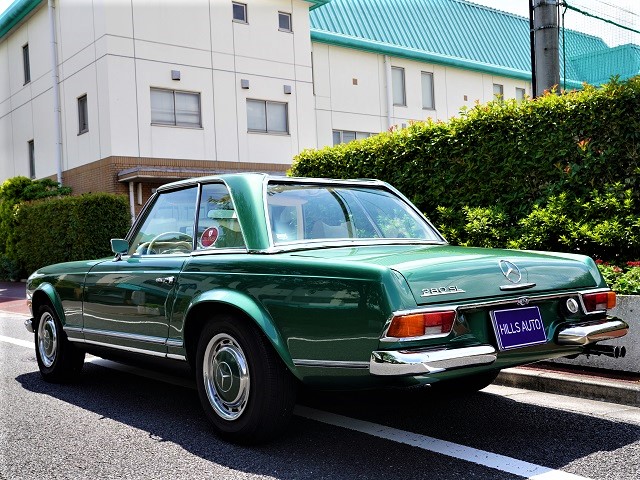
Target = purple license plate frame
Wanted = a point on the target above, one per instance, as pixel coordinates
(518, 327)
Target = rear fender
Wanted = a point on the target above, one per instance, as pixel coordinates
(255, 312)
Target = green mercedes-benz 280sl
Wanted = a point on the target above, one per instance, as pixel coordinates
(261, 283)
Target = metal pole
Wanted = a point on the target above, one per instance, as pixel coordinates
(532, 42)
(56, 90)
(547, 51)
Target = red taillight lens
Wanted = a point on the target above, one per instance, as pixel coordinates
(420, 324)
(599, 301)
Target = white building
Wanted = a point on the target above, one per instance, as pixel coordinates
(155, 90)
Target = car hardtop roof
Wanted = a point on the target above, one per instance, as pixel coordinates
(257, 177)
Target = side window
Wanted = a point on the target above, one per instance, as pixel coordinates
(168, 227)
(218, 225)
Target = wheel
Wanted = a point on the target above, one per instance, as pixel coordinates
(246, 390)
(465, 385)
(58, 359)
(173, 245)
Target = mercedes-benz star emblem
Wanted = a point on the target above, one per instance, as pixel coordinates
(510, 271)
(223, 377)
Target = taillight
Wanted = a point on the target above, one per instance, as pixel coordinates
(599, 301)
(421, 324)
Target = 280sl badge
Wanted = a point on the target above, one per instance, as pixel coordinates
(451, 289)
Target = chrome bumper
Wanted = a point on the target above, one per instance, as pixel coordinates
(429, 361)
(28, 324)
(592, 332)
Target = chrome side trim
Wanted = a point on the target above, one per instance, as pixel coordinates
(176, 357)
(427, 362)
(329, 363)
(461, 308)
(126, 336)
(69, 329)
(127, 349)
(588, 333)
(173, 342)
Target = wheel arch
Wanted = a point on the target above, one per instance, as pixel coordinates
(237, 304)
(46, 294)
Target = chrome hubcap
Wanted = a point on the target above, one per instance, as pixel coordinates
(226, 376)
(47, 339)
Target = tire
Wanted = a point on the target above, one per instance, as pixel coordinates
(245, 389)
(466, 385)
(58, 359)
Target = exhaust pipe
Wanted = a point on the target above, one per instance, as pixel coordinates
(606, 350)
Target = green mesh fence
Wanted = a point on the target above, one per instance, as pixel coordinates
(611, 48)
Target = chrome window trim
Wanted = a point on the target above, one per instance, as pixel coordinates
(459, 308)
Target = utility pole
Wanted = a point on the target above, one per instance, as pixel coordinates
(546, 57)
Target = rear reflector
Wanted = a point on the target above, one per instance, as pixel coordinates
(421, 324)
(599, 301)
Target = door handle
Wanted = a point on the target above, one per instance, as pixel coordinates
(166, 280)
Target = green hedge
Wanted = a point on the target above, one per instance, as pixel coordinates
(69, 228)
(505, 173)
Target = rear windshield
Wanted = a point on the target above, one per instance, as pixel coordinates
(319, 212)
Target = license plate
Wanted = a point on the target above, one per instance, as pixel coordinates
(518, 327)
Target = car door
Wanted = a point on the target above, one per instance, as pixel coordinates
(127, 301)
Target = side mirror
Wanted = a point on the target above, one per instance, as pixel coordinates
(119, 246)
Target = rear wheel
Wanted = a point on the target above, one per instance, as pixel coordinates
(246, 391)
(58, 360)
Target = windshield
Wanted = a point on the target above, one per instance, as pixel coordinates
(319, 212)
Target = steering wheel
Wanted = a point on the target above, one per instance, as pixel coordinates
(176, 247)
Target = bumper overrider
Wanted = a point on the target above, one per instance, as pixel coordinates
(426, 362)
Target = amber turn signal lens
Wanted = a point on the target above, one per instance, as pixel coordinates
(599, 301)
(421, 324)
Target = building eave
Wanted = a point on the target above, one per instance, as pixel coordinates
(317, 3)
(15, 14)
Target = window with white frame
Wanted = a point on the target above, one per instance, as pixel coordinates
(520, 94)
(267, 117)
(346, 136)
(397, 81)
(173, 107)
(83, 115)
(284, 21)
(498, 91)
(25, 64)
(428, 101)
(32, 159)
(240, 12)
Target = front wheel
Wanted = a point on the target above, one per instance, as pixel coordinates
(246, 391)
(58, 360)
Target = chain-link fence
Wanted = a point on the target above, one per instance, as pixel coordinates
(611, 48)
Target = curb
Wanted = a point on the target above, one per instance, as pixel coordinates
(592, 388)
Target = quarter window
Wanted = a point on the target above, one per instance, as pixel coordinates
(428, 101)
(25, 64)
(267, 117)
(218, 225)
(172, 107)
(284, 22)
(397, 80)
(239, 12)
(83, 115)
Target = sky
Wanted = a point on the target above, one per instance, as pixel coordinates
(626, 12)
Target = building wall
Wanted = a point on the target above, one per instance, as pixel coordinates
(350, 87)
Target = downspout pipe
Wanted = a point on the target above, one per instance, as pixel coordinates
(132, 204)
(57, 112)
(389, 89)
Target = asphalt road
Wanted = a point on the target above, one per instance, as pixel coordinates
(123, 423)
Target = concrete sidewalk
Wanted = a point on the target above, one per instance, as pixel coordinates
(594, 384)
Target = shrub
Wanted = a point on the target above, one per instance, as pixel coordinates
(624, 281)
(69, 228)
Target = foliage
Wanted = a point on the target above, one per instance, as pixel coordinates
(12, 192)
(69, 228)
(560, 172)
(624, 281)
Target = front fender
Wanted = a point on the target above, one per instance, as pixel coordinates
(253, 310)
(44, 292)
